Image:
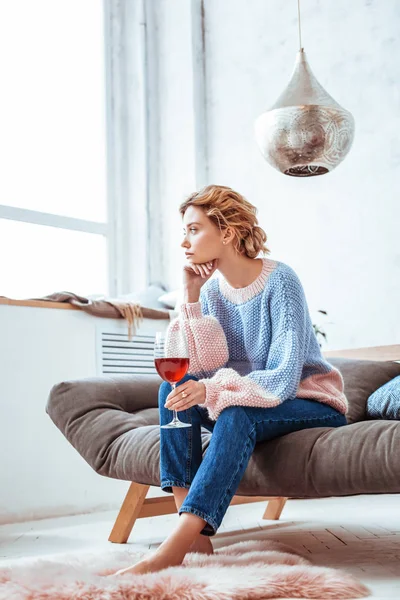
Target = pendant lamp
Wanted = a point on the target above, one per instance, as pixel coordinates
(306, 132)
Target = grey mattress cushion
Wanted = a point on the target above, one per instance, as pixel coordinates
(113, 423)
(361, 379)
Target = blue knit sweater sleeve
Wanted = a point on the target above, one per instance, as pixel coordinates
(291, 329)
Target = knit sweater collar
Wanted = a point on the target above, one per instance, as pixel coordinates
(240, 295)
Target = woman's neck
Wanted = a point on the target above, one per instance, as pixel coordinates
(241, 271)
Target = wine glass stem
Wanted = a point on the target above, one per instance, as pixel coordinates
(175, 413)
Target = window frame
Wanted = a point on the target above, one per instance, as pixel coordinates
(37, 217)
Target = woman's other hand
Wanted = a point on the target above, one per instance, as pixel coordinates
(186, 395)
(195, 276)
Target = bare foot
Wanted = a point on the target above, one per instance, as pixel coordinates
(202, 544)
(151, 564)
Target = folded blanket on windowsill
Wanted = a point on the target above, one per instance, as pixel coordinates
(110, 308)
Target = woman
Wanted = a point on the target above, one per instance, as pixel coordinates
(256, 370)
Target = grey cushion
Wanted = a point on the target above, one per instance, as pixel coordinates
(384, 403)
(147, 297)
(113, 424)
(361, 379)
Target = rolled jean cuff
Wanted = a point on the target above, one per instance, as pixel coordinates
(210, 528)
(167, 485)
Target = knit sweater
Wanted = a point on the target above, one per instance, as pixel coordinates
(256, 345)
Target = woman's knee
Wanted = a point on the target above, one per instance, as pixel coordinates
(232, 412)
(166, 388)
(235, 419)
(186, 378)
(163, 391)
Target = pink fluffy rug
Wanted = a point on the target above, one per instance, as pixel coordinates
(247, 571)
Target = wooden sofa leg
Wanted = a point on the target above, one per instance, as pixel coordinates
(274, 508)
(129, 512)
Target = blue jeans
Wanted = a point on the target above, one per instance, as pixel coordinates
(214, 479)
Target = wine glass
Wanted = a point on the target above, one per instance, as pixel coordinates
(172, 365)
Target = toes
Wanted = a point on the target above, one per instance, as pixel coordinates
(120, 572)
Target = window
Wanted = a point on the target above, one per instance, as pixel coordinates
(54, 221)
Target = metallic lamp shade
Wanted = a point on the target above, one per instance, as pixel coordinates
(306, 132)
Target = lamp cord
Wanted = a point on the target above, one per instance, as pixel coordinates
(298, 9)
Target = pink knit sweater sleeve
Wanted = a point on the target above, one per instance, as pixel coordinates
(207, 345)
(228, 388)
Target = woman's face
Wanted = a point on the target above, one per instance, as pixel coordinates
(201, 238)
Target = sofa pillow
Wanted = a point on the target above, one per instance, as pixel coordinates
(169, 299)
(147, 297)
(361, 379)
(385, 402)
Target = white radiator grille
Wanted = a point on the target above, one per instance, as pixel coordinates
(116, 354)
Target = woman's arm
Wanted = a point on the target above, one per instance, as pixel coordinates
(263, 388)
(291, 332)
(207, 345)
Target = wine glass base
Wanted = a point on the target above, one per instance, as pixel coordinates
(175, 425)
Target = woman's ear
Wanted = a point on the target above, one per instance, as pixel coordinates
(228, 235)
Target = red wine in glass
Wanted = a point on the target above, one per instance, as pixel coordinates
(172, 369)
(171, 365)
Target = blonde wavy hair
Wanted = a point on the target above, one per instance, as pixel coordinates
(227, 208)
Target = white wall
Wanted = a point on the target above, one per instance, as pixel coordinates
(340, 232)
(41, 474)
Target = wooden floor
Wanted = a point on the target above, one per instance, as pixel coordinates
(360, 534)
